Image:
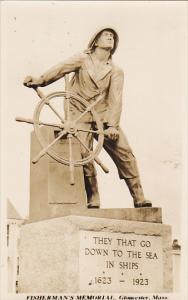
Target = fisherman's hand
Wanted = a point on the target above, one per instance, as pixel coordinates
(112, 133)
(32, 82)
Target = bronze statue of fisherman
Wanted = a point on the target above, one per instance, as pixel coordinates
(95, 74)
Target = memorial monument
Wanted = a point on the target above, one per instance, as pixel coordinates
(69, 244)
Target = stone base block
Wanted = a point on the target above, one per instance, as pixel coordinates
(150, 214)
(87, 254)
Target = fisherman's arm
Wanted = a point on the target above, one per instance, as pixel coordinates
(115, 103)
(58, 71)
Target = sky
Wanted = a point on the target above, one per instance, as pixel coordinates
(152, 52)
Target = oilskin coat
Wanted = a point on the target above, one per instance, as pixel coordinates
(90, 84)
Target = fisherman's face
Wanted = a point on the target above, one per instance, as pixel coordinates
(105, 40)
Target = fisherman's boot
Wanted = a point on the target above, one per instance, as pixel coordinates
(137, 193)
(91, 186)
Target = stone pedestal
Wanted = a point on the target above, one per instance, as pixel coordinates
(87, 254)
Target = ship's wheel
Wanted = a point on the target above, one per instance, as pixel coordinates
(67, 126)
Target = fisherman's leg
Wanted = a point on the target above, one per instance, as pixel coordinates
(90, 174)
(125, 161)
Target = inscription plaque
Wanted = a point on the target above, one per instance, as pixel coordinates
(120, 262)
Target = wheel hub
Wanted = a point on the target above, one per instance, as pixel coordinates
(70, 127)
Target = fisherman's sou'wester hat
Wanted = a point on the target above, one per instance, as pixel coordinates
(91, 44)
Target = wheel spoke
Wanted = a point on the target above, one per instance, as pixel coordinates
(51, 124)
(44, 150)
(83, 114)
(67, 107)
(83, 144)
(47, 102)
(55, 111)
(98, 161)
(30, 121)
(67, 98)
(71, 166)
(89, 108)
(88, 130)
